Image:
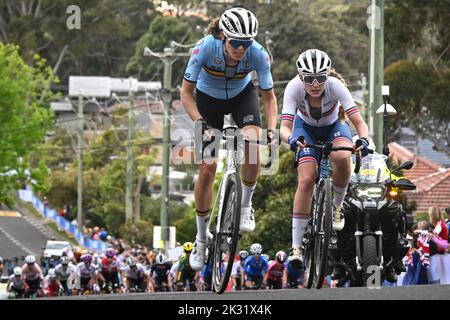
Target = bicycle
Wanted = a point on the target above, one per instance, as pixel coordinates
(226, 213)
(318, 231)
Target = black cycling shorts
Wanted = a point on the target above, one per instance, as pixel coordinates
(244, 108)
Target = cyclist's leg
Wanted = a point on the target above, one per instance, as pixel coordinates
(341, 136)
(247, 116)
(307, 173)
(212, 111)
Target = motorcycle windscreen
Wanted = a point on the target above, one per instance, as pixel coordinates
(373, 169)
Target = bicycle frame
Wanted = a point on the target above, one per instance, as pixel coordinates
(231, 168)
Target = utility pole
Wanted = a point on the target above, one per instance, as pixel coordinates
(130, 162)
(168, 57)
(364, 109)
(376, 69)
(80, 162)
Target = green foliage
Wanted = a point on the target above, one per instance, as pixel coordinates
(140, 232)
(161, 31)
(24, 93)
(101, 46)
(421, 216)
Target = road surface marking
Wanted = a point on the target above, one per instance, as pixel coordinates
(9, 214)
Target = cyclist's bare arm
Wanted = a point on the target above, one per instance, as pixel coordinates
(360, 124)
(270, 108)
(285, 130)
(187, 99)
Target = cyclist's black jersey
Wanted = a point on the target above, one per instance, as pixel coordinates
(161, 271)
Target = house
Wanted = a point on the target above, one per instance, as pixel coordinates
(432, 179)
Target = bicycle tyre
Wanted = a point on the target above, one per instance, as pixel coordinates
(226, 240)
(324, 225)
(309, 256)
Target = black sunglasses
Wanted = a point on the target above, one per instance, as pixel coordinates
(236, 43)
(321, 78)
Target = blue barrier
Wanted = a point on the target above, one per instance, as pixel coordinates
(97, 245)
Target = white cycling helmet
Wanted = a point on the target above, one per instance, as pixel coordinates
(313, 61)
(160, 258)
(30, 259)
(17, 271)
(51, 273)
(65, 260)
(238, 23)
(255, 248)
(131, 261)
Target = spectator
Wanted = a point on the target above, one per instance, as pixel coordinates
(439, 236)
(61, 212)
(439, 228)
(418, 257)
(447, 220)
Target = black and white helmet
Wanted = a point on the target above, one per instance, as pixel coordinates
(313, 61)
(160, 258)
(238, 23)
(255, 248)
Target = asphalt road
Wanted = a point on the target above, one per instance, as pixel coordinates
(19, 237)
(425, 292)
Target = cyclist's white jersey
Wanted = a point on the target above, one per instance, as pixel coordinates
(16, 282)
(335, 94)
(30, 274)
(86, 272)
(237, 269)
(133, 274)
(63, 275)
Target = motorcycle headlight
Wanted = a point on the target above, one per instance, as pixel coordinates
(369, 192)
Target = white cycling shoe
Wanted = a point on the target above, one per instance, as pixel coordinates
(198, 254)
(338, 219)
(247, 223)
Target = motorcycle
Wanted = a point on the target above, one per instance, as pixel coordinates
(373, 240)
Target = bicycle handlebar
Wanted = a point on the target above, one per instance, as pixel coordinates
(322, 147)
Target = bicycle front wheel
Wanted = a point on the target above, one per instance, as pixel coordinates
(226, 239)
(323, 227)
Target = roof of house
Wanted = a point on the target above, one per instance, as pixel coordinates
(431, 179)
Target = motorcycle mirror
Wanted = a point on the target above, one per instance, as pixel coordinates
(404, 166)
(405, 184)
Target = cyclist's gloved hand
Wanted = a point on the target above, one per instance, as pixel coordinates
(362, 145)
(201, 125)
(294, 143)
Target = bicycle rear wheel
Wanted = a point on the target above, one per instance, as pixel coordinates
(323, 227)
(226, 239)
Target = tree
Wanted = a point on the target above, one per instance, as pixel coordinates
(418, 57)
(160, 33)
(24, 94)
(101, 47)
